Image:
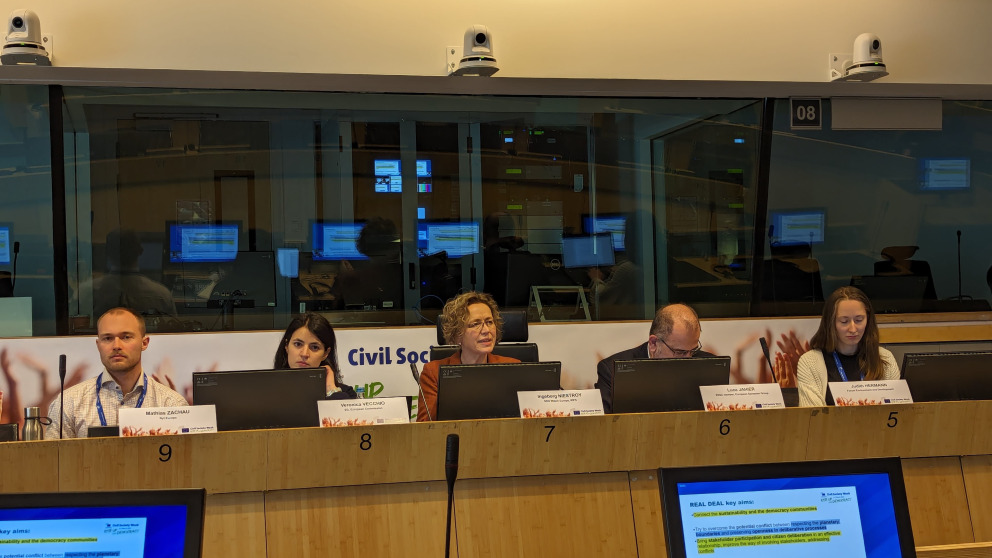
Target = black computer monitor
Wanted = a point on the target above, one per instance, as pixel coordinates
(248, 282)
(893, 293)
(256, 399)
(666, 384)
(478, 391)
(948, 376)
(814, 508)
(148, 523)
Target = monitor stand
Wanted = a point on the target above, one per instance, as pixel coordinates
(543, 309)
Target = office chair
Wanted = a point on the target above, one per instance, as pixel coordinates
(897, 262)
(792, 281)
(514, 343)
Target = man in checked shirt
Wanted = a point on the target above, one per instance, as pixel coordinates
(121, 338)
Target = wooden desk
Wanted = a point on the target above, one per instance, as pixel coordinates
(583, 486)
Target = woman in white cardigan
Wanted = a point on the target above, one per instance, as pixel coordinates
(844, 349)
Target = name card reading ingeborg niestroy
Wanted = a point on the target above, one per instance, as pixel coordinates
(560, 403)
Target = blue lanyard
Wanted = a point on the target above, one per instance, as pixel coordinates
(99, 406)
(840, 368)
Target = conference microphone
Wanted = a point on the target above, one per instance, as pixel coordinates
(416, 378)
(61, 393)
(450, 473)
(764, 349)
(451, 460)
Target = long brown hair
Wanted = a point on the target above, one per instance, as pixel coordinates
(825, 338)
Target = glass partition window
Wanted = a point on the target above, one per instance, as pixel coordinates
(213, 210)
(901, 214)
(27, 272)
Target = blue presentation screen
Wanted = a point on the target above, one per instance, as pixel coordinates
(615, 225)
(78, 532)
(4, 245)
(203, 243)
(792, 228)
(456, 238)
(337, 241)
(945, 174)
(828, 516)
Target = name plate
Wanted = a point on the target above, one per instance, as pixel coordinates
(742, 397)
(363, 412)
(162, 421)
(560, 403)
(882, 392)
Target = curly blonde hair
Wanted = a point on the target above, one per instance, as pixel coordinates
(456, 315)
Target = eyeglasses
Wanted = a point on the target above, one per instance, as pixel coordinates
(682, 353)
(479, 324)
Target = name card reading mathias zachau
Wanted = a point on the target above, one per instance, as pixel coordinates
(160, 421)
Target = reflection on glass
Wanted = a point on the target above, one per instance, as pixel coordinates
(394, 203)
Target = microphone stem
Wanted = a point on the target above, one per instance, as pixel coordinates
(447, 528)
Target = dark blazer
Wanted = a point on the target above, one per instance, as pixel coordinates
(605, 371)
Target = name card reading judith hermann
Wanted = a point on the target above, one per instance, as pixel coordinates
(742, 397)
(573, 403)
(363, 412)
(883, 392)
(161, 421)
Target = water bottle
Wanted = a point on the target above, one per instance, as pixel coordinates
(32, 425)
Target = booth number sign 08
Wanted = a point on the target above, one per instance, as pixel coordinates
(805, 114)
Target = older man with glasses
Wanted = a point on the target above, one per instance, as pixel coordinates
(674, 333)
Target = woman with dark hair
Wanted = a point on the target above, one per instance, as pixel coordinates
(309, 342)
(471, 321)
(844, 349)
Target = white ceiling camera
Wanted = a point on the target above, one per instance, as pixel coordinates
(864, 65)
(23, 44)
(477, 56)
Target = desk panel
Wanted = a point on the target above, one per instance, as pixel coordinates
(222, 462)
(390, 520)
(537, 517)
(649, 524)
(234, 525)
(938, 504)
(917, 430)
(649, 441)
(29, 467)
(978, 483)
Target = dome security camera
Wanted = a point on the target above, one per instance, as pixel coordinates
(477, 54)
(23, 44)
(865, 64)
